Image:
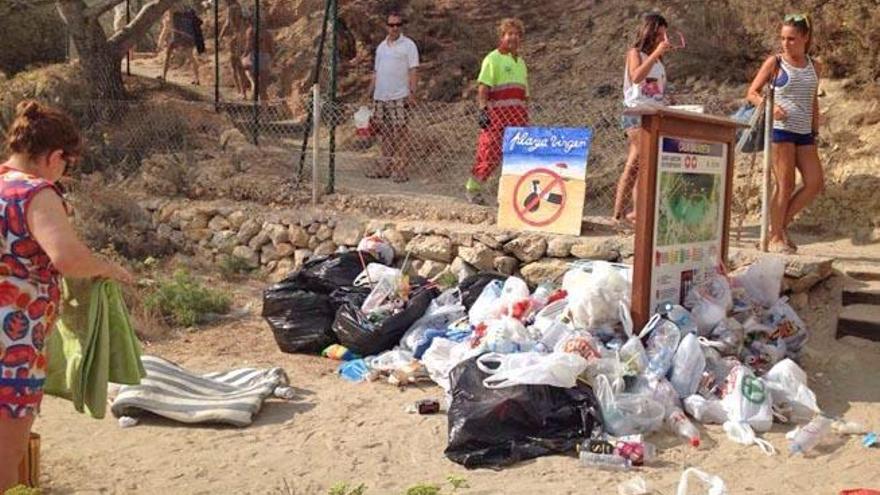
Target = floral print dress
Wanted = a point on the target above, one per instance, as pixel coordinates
(29, 298)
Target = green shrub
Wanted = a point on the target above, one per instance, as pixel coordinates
(231, 267)
(186, 302)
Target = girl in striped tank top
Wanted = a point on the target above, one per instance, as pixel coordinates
(795, 125)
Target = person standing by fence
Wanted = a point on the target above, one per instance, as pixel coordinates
(393, 86)
(795, 126)
(502, 97)
(234, 27)
(183, 36)
(262, 49)
(644, 83)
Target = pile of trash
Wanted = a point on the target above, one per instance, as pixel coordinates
(561, 369)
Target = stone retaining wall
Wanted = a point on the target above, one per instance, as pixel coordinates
(278, 240)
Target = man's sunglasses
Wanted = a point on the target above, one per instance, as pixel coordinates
(794, 18)
(394, 24)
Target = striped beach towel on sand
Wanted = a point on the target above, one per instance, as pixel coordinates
(231, 397)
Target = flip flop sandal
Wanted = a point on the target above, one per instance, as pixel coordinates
(399, 178)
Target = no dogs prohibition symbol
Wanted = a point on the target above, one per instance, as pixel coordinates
(539, 197)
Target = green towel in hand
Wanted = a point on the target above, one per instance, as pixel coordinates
(93, 343)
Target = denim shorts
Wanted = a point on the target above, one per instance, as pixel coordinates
(628, 122)
(780, 136)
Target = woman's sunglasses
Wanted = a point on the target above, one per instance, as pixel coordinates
(681, 40)
(794, 18)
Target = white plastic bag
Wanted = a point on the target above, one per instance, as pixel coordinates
(556, 369)
(787, 383)
(787, 326)
(374, 273)
(740, 432)
(594, 297)
(747, 400)
(390, 360)
(716, 484)
(706, 411)
(580, 343)
(687, 366)
(762, 280)
(377, 246)
(445, 309)
(710, 302)
(442, 356)
(485, 307)
(660, 390)
(632, 353)
(507, 335)
(627, 414)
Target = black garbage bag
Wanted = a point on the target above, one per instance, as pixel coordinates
(498, 427)
(300, 320)
(301, 308)
(472, 286)
(324, 275)
(366, 339)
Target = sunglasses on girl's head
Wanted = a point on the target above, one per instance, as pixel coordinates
(797, 18)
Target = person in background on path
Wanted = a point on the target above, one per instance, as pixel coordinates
(235, 28)
(795, 127)
(644, 83)
(502, 95)
(182, 36)
(393, 88)
(265, 52)
(38, 246)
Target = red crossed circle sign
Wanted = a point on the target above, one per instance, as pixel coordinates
(539, 197)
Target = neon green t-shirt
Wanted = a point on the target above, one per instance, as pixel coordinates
(502, 69)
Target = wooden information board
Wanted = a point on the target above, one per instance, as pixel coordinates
(683, 208)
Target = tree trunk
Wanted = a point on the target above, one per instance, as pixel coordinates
(100, 56)
(100, 61)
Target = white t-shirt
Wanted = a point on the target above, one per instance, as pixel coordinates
(393, 62)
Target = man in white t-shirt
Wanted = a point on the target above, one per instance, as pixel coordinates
(393, 87)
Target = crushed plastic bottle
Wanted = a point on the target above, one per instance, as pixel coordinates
(606, 462)
(678, 423)
(805, 438)
(663, 338)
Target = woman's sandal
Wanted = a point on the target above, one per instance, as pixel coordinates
(398, 178)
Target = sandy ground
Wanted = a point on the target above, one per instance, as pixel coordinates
(359, 433)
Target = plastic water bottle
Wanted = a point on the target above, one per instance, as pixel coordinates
(682, 317)
(662, 343)
(382, 291)
(679, 424)
(805, 438)
(606, 462)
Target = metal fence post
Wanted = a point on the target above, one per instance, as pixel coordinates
(127, 22)
(331, 158)
(255, 66)
(316, 127)
(217, 55)
(765, 182)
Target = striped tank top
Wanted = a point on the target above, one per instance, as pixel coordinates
(794, 91)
